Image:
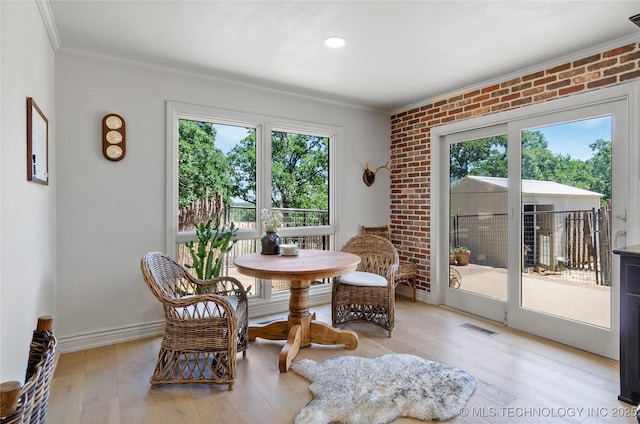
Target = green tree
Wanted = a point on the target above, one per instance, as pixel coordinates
(479, 157)
(242, 159)
(299, 172)
(538, 163)
(488, 157)
(495, 162)
(600, 168)
(202, 166)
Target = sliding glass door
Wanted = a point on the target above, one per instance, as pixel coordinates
(538, 206)
(477, 221)
(563, 285)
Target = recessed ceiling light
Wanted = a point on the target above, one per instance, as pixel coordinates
(335, 42)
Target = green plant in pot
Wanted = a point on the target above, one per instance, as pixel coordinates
(462, 255)
(213, 243)
(452, 256)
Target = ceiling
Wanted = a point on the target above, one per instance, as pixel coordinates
(398, 53)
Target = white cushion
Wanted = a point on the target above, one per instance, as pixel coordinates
(361, 278)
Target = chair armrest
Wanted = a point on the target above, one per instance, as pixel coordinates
(197, 306)
(220, 285)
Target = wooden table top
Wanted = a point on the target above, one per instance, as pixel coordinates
(309, 264)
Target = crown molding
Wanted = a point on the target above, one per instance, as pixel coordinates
(211, 77)
(599, 48)
(49, 23)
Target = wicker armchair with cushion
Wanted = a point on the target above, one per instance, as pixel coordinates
(407, 271)
(367, 294)
(205, 324)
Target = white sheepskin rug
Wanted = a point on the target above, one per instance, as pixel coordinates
(353, 390)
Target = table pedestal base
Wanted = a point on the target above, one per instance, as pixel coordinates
(301, 329)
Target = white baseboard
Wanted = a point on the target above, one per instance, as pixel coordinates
(141, 331)
(421, 295)
(108, 337)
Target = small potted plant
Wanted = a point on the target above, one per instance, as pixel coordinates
(271, 222)
(452, 256)
(462, 255)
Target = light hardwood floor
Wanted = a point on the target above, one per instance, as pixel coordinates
(521, 378)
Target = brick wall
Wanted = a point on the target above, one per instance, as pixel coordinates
(411, 138)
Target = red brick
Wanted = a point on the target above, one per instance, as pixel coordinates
(545, 80)
(559, 68)
(471, 94)
(510, 82)
(586, 60)
(482, 111)
(587, 77)
(481, 98)
(521, 102)
(472, 106)
(545, 96)
(535, 75)
(620, 50)
(603, 64)
(531, 92)
(571, 73)
(499, 107)
(630, 57)
(521, 87)
(630, 76)
(558, 84)
(490, 88)
(440, 103)
(500, 92)
(602, 82)
(510, 97)
(618, 69)
(572, 89)
(491, 102)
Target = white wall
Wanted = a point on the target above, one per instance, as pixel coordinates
(111, 213)
(27, 210)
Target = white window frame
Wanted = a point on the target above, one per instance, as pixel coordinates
(263, 303)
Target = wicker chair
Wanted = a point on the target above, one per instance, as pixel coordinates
(367, 294)
(407, 271)
(29, 403)
(205, 324)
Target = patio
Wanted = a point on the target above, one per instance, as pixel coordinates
(554, 294)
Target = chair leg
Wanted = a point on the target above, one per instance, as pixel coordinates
(412, 285)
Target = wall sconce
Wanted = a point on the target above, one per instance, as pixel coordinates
(369, 175)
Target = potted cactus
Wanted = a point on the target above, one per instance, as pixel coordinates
(213, 243)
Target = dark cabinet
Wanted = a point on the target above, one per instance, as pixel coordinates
(629, 324)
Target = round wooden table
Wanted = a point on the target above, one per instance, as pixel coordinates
(301, 329)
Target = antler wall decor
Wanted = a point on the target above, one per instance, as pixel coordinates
(369, 175)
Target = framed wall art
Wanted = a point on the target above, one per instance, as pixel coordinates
(37, 144)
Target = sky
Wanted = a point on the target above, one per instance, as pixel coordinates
(573, 138)
(227, 136)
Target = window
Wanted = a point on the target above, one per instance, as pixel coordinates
(232, 165)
